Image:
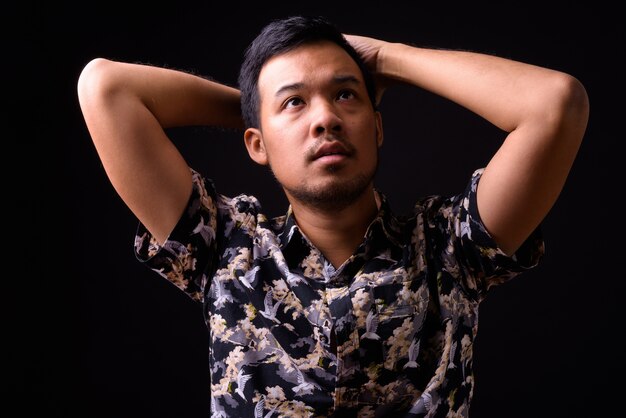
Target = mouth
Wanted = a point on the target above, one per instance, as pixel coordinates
(331, 152)
(331, 159)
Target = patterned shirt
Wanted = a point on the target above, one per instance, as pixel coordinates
(388, 332)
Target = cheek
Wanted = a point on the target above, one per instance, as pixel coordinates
(281, 157)
(284, 141)
(364, 131)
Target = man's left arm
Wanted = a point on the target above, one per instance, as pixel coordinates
(544, 111)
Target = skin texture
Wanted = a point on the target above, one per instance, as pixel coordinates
(320, 135)
(545, 113)
(127, 106)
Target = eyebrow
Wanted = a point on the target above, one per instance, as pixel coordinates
(337, 80)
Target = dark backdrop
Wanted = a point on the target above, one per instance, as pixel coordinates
(95, 334)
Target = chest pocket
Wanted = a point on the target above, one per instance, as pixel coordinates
(392, 301)
(396, 315)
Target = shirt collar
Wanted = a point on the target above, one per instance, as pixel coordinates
(384, 228)
(289, 229)
(386, 225)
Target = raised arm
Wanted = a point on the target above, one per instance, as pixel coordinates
(126, 108)
(545, 113)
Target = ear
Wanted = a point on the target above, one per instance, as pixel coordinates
(253, 139)
(379, 128)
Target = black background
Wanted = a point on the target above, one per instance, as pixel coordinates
(93, 333)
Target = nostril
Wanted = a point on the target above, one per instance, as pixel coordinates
(319, 129)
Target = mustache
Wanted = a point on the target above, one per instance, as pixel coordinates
(312, 150)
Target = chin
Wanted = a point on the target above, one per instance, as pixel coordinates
(333, 194)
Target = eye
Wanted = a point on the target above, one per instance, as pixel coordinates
(345, 95)
(292, 102)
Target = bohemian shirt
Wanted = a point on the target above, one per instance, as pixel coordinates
(388, 332)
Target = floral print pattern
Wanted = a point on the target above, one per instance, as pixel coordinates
(388, 332)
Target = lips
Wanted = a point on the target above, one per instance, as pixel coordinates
(331, 148)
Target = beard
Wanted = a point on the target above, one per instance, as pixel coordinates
(336, 196)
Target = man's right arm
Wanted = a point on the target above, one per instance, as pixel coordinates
(127, 108)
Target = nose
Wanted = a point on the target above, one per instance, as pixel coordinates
(325, 120)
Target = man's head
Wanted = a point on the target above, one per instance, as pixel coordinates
(309, 105)
(279, 37)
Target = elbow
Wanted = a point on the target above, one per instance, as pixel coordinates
(572, 104)
(576, 99)
(93, 81)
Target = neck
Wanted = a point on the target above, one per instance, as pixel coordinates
(338, 232)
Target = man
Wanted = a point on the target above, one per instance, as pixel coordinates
(339, 308)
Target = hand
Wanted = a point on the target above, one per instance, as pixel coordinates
(370, 51)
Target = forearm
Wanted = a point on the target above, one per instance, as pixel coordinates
(174, 98)
(544, 111)
(127, 108)
(504, 92)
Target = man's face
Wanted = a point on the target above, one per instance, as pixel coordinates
(319, 132)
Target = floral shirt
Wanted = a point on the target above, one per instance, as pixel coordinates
(388, 332)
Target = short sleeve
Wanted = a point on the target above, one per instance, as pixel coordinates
(485, 261)
(468, 254)
(188, 254)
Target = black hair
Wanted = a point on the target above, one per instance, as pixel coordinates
(281, 36)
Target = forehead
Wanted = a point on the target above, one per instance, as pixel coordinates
(307, 64)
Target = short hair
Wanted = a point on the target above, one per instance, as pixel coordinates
(281, 36)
